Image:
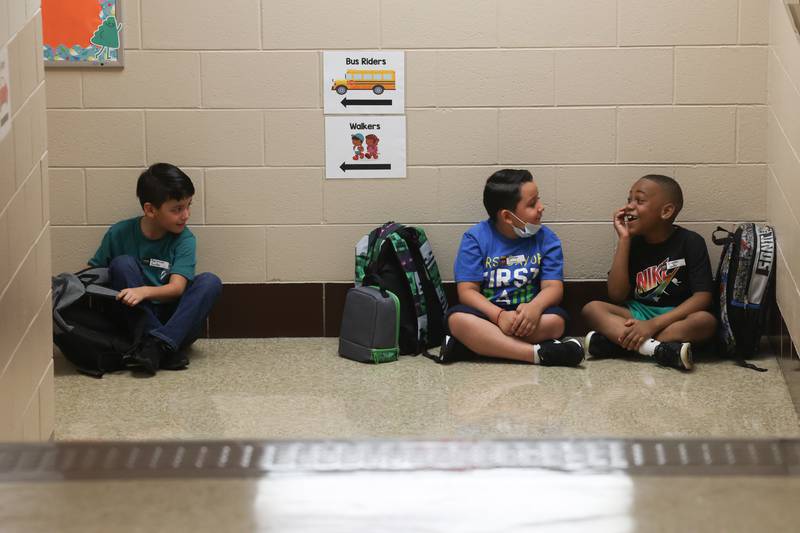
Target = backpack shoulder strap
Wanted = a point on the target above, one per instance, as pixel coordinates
(431, 268)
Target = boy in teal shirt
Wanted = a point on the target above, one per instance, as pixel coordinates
(151, 262)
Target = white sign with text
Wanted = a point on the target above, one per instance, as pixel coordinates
(365, 147)
(364, 82)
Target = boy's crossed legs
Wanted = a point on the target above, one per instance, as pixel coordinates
(612, 323)
(473, 330)
(175, 326)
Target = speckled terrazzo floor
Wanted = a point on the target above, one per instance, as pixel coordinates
(300, 388)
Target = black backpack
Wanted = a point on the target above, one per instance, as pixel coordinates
(743, 282)
(82, 326)
(399, 259)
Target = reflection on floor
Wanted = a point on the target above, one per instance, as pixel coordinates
(300, 389)
(402, 502)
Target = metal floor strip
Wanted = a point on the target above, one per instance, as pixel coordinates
(242, 459)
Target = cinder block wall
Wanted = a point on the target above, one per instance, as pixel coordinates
(26, 354)
(588, 95)
(783, 184)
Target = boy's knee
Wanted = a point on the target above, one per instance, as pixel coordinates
(122, 263)
(552, 325)
(210, 282)
(592, 309)
(706, 319)
(455, 321)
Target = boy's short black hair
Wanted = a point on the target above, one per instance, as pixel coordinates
(502, 190)
(162, 182)
(671, 189)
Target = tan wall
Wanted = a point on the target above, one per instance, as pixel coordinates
(26, 354)
(602, 92)
(783, 138)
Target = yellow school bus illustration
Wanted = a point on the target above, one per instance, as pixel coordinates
(376, 81)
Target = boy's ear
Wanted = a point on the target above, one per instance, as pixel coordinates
(502, 215)
(668, 211)
(149, 209)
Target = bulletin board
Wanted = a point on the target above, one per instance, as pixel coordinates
(82, 33)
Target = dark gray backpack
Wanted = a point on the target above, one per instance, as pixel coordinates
(370, 326)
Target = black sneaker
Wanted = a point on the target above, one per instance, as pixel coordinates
(675, 354)
(174, 360)
(567, 353)
(597, 345)
(147, 355)
(451, 351)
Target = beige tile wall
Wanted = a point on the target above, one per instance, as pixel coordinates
(26, 354)
(783, 148)
(588, 95)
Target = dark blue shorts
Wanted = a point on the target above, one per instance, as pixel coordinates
(461, 308)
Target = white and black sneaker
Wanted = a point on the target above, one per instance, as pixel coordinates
(597, 345)
(674, 354)
(567, 353)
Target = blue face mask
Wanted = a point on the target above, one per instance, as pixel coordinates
(529, 230)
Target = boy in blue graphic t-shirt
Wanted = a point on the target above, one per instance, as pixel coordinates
(509, 276)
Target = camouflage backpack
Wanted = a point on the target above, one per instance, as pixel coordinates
(400, 259)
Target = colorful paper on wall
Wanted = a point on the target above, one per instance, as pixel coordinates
(82, 32)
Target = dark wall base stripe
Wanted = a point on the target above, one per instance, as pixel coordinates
(315, 309)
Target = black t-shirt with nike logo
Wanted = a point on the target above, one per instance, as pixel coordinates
(668, 273)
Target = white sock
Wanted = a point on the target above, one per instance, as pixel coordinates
(648, 347)
(536, 353)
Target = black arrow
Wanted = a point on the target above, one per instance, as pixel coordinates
(367, 166)
(346, 102)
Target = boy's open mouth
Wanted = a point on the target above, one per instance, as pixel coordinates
(631, 218)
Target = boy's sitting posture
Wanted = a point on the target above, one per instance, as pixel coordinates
(660, 282)
(151, 262)
(509, 272)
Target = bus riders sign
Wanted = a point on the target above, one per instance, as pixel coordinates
(357, 82)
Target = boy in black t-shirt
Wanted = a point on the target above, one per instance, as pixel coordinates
(660, 282)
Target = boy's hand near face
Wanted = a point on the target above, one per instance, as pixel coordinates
(526, 320)
(620, 225)
(636, 332)
(133, 296)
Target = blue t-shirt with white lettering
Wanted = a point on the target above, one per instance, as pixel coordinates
(510, 271)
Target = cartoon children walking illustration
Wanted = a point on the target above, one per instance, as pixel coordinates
(372, 146)
(358, 146)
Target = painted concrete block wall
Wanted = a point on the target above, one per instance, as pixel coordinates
(783, 144)
(587, 95)
(26, 356)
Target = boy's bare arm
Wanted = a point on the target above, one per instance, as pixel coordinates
(469, 293)
(618, 284)
(699, 301)
(171, 291)
(528, 315)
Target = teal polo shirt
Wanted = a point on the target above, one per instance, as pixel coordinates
(159, 258)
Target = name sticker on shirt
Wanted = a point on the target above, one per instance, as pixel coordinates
(675, 264)
(158, 263)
